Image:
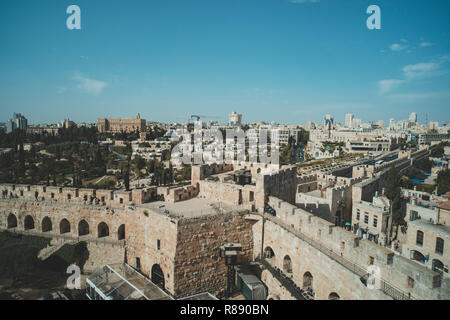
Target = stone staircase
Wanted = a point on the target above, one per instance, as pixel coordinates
(55, 245)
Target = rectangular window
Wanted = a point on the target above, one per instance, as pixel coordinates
(138, 263)
(390, 258)
(440, 246)
(419, 238)
(375, 221)
(371, 261)
(159, 244)
(358, 214)
(414, 215)
(366, 218)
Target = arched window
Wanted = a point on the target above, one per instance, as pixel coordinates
(103, 230)
(64, 226)
(308, 281)
(121, 232)
(158, 276)
(417, 256)
(437, 265)
(268, 253)
(83, 228)
(12, 221)
(46, 224)
(29, 223)
(287, 264)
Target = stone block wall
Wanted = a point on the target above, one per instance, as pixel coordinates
(199, 266)
(393, 268)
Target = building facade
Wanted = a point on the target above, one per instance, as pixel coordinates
(121, 125)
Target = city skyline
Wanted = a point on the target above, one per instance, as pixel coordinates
(274, 61)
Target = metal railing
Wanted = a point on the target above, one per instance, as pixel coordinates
(385, 287)
(287, 282)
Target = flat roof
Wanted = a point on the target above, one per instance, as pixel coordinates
(316, 193)
(435, 227)
(195, 207)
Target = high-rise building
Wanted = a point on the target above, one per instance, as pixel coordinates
(392, 123)
(235, 119)
(356, 123)
(349, 120)
(18, 121)
(413, 117)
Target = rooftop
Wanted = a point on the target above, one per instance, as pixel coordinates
(444, 229)
(191, 208)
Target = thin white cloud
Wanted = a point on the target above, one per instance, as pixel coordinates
(386, 86)
(90, 86)
(425, 44)
(418, 96)
(411, 73)
(397, 47)
(421, 70)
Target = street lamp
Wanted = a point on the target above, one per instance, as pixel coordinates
(230, 252)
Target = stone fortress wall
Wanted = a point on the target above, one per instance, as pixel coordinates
(329, 275)
(184, 249)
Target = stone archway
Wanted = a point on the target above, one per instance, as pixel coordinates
(158, 276)
(268, 253)
(47, 225)
(28, 223)
(437, 265)
(121, 232)
(287, 264)
(334, 296)
(11, 221)
(64, 226)
(83, 228)
(307, 281)
(103, 230)
(417, 256)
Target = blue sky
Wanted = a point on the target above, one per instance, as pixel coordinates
(287, 61)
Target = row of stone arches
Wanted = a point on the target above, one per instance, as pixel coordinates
(64, 226)
(308, 279)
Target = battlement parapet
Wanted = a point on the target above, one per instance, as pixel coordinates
(44, 193)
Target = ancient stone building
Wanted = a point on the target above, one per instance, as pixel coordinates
(121, 125)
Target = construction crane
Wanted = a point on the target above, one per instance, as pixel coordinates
(202, 116)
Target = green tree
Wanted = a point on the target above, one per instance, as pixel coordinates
(127, 178)
(443, 182)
